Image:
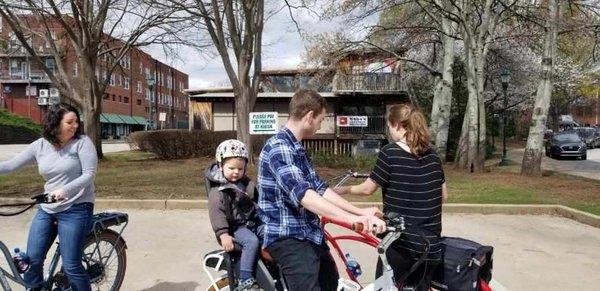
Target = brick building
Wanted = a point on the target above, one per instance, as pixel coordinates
(129, 102)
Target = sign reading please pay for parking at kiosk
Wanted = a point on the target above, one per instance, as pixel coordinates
(263, 123)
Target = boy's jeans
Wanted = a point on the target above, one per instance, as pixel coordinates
(73, 227)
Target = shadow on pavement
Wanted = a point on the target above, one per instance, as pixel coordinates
(175, 286)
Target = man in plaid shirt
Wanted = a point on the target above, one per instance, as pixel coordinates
(292, 197)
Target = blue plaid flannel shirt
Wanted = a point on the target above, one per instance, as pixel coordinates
(285, 173)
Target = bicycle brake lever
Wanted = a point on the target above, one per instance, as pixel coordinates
(39, 198)
(43, 198)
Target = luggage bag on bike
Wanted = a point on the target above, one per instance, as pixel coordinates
(466, 266)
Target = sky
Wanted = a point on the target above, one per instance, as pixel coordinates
(283, 47)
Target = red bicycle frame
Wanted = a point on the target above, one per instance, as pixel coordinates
(368, 239)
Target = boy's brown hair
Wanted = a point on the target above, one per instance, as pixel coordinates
(305, 101)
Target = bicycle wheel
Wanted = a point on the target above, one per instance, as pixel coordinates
(222, 285)
(105, 259)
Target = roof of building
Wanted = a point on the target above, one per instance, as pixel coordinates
(260, 95)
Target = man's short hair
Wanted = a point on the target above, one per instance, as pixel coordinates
(305, 101)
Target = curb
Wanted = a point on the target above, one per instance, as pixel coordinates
(508, 209)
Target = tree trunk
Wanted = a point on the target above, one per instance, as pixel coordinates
(92, 107)
(445, 99)
(532, 158)
(471, 152)
(242, 110)
(435, 110)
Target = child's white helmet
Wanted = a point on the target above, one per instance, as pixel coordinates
(231, 148)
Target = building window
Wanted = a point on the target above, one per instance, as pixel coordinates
(114, 97)
(126, 99)
(120, 98)
(112, 80)
(105, 96)
(141, 68)
(126, 83)
(139, 102)
(139, 87)
(75, 69)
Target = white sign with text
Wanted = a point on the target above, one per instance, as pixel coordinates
(263, 123)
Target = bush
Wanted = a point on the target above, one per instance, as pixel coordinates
(17, 135)
(15, 129)
(180, 143)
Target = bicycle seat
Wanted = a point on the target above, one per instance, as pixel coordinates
(265, 255)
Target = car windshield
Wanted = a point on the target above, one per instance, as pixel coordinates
(571, 137)
(586, 132)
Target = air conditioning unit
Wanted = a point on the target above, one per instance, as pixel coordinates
(54, 92)
(43, 101)
(44, 94)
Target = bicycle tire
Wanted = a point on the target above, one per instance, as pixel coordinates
(90, 256)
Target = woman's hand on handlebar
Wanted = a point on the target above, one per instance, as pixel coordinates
(59, 195)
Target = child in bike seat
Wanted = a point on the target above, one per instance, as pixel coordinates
(233, 208)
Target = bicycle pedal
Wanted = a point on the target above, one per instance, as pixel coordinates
(96, 273)
(62, 282)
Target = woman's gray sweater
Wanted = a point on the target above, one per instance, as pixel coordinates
(72, 168)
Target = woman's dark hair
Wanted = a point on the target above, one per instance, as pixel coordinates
(52, 120)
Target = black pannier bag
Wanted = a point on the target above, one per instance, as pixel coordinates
(466, 266)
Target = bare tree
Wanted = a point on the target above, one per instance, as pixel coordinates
(532, 158)
(442, 96)
(93, 30)
(235, 28)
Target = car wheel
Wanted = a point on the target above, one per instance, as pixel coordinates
(584, 157)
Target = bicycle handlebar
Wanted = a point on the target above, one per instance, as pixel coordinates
(37, 199)
(393, 222)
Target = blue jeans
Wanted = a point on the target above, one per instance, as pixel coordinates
(73, 226)
(250, 246)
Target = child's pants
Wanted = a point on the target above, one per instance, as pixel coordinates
(250, 244)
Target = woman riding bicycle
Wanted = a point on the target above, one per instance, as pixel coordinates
(67, 160)
(413, 185)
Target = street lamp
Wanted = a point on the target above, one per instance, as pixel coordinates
(150, 82)
(504, 78)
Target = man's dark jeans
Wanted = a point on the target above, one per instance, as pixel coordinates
(305, 265)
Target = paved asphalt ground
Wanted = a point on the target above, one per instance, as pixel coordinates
(589, 168)
(531, 252)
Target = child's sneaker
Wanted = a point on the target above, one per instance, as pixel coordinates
(249, 284)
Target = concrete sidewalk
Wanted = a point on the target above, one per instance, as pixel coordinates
(531, 252)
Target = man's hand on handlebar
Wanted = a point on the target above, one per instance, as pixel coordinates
(368, 224)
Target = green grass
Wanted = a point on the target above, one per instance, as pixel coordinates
(7, 118)
(138, 175)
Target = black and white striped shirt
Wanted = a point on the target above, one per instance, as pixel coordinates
(412, 187)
